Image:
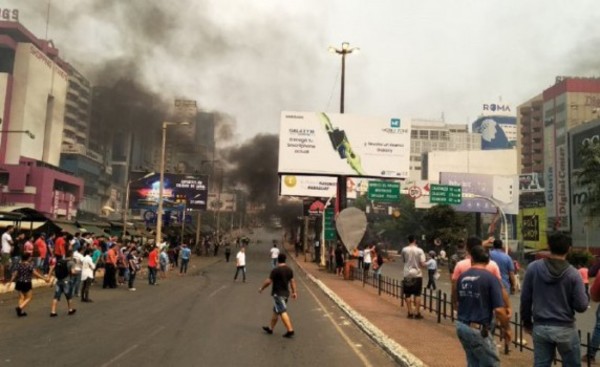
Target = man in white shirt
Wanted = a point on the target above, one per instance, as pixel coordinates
(240, 263)
(412, 284)
(7, 243)
(274, 255)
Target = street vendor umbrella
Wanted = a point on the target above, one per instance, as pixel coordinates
(351, 225)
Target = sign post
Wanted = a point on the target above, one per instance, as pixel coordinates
(445, 194)
(384, 191)
(329, 227)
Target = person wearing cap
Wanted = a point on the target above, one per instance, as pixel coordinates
(479, 296)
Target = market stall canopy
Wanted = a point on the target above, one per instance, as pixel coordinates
(68, 226)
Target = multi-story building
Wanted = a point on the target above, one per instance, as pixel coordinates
(567, 104)
(428, 136)
(33, 91)
(530, 140)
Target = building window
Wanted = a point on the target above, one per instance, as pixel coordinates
(423, 134)
(414, 134)
(434, 135)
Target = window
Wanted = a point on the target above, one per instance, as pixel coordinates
(434, 135)
(414, 134)
(423, 134)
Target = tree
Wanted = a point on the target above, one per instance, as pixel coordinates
(588, 176)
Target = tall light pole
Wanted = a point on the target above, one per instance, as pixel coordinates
(161, 182)
(345, 50)
(126, 206)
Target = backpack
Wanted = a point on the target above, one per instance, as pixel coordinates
(61, 270)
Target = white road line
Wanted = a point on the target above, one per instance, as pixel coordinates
(217, 291)
(133, 347)
(339, 329)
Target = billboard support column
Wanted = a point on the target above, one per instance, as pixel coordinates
(183, 222)
(198, 223)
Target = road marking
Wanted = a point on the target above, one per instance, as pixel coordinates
(133, 347)
(217, 291)
(346, 338)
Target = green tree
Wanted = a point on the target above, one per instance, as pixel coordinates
(588, 176)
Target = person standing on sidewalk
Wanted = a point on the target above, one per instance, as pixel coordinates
(479, 296)
(431, 270)
(153, 259)
(110, 268)
(7, 244)
(339, 259)
(134, 266)
(227, 252)
(412, 284)
(87, 274)
(281, 279)
(240, 263)
(552, 292)
(186, 253)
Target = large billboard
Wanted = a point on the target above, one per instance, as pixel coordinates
(502, 190)
(340, 144)
(497, 132)
(311, 186)
(531, 227)
(178, 190)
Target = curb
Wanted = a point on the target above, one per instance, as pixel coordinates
(400, 354)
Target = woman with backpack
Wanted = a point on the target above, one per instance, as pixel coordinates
(23, 275)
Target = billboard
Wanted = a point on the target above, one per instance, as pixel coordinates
(531, 227)
(531, 182)
(312, 186)
(224, 201)
(489, 162)
(339, 144)
(497, 132)
(501, 189)
(178, 190)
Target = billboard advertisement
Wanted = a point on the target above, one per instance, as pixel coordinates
(501, 189)
(311, 186)
(340, 144)
(224, 201)
(497, 132)
(178, 190)
(531, 182)
(531, 227)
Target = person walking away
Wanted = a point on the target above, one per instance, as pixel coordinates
(163, 261)
(368, 258)
(153, 260)
(227, 252)
(412, 284)
(505, 265)
(339, 259)
(431, 265)
(23, 275)
(5, 250)
(39, 251)
(186, 253)
(479, 296)
(134, 266)
(87, 274)
(274, 254)
(590, 356)
(240, 263)
(76, 277)
(584, 273)
(459, 255)
(552, 292)
(110, 268)
(281, 279)
(62, 271)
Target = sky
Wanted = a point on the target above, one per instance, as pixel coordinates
(253, 59)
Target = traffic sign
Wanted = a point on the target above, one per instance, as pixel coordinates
(445, 194)
(384, 191)
(329, 225)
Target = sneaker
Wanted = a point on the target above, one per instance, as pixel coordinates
(52, 314)
(132, 289)
(267, 329)
(289, 334)
(71, 312)
(23, 314)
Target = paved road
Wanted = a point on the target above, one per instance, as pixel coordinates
(203, 319)
(585, 321)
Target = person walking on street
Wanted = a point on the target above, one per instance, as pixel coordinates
(431, 270)
(590, 356)
(505, 265)
(134, 266)
(5, 251)
(87, 274)
(23, 275)
(227, 252)
(274, 253)
(76, 277)
(240, 263)
(412, 284)
(186, 253)
(163, 262)
(281, 279)
(552, 292)
(479, 296)
(60, 246)
(153, 259)
(39, 253)
(62, 270)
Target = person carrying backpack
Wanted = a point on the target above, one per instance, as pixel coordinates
(62, 270)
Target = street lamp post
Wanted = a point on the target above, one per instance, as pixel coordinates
(161, 182)
(126, 206)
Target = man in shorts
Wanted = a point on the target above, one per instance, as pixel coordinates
(63, 270)
(412, 284)
(280, 278)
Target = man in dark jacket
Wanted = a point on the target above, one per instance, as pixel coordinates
(552, 292)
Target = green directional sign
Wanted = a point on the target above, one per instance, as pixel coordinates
(445, 194)
(384, 191)
(329, 227)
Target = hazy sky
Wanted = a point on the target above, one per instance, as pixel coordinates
(253, 59)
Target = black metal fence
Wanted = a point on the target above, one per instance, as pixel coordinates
(439, 303)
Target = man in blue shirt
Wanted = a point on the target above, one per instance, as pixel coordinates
(551, 294)
(505, 264)
(186, 252)
(479, 296)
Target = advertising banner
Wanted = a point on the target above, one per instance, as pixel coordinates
(531, 227)
(314, 207)
(224, 201)
(549, 166)
(311, 186)
(501, 189)
(340, 144)
(497, 132)
(531, 182)
(178, 190)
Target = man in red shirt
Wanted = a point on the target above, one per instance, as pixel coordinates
(60, 246)
(42, 250)
(152, 265)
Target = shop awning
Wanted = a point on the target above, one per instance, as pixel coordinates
(68, 227)
(93, 230)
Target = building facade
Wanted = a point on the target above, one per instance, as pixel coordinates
(530, 140)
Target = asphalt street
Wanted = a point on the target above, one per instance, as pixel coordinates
(202, 319)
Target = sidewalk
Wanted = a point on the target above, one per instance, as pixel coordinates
(410, 342)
